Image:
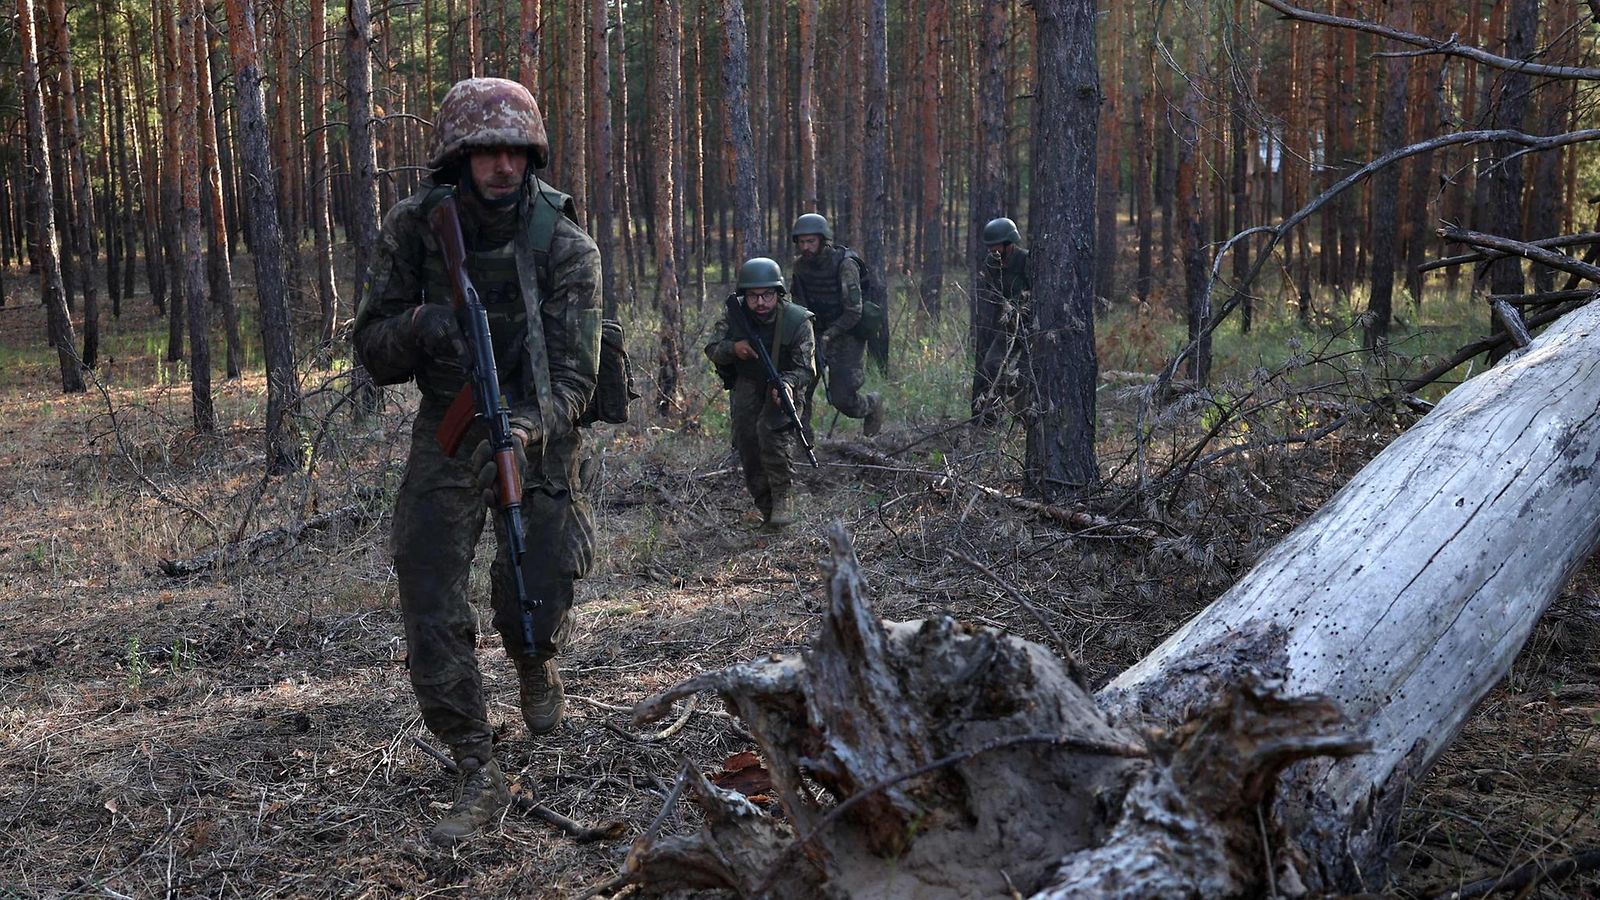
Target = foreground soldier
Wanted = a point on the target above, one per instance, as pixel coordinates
(828, 281)
(762, 433)
(1003, 298)
(537, 273)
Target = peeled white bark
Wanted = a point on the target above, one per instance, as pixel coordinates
(1409, 594)
(1269, 744)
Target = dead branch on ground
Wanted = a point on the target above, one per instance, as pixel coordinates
(233, 552)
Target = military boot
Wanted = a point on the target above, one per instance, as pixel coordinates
(542, 700)
(782, 512)
(483, 795)
(873, 423)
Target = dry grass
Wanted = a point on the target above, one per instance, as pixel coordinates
(250, 732)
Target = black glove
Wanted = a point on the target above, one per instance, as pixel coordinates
(489, 474)
(438, 336)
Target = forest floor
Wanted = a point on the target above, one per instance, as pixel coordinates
(249, 731)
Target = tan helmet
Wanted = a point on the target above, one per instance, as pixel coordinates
(488, 112)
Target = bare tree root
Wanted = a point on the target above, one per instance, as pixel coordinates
(934, 760)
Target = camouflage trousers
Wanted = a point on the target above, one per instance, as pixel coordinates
(845, 372)
(438, 519)
(1003, 373)
(765, 442)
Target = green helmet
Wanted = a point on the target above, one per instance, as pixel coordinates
(1001, 231)
(761, 272)
(811, 223)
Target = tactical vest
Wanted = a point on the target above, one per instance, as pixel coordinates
(819, 282)
(495, 275)
(790, 320)
(1009, 278)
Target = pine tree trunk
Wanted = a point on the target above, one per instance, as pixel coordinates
(736, 109)
(219, 268)
(168, 88)
(1060, 456)
(188, 34)
(1386, 190)
(363, 215)
(931, 160)
(528, 26)
(1143, 126)
(665, 89)
(321, 220)
(1191, 237)
(603, 222)
(52, 290)
(988, 178)
(1505, 181)
(1349, 207)
(573, 125)
(1427, 107)
(266, 244)
(631, 265)
(875, 149)
(110, 218)
(1238, 175)
(154, 265)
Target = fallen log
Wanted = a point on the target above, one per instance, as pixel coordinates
(1266, 748)
(231, 553)
(1406, 597)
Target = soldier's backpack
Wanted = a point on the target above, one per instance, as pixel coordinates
(614, 388)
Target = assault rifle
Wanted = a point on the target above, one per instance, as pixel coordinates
(738, 313)
(480, 398)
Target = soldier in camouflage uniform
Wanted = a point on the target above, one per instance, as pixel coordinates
(762, 433)
(542, 299)
(1003, 300)
(827, 280)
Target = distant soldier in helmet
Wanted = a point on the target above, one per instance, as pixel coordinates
(829, 281)
(1003, 299)
(538, 275)
(762, 434)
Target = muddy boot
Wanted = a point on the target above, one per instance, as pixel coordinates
(483, 795)
(873, 423)
(542, 700)
(782, 513)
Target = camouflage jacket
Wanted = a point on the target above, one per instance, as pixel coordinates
(408, 269)
(790, 328)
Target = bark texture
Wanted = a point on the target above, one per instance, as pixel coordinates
(266, 242)
(735, 105)
(47, 253)
(1060, 447)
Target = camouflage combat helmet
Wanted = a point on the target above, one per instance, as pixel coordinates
(1001, 231)
(811, 223)
(761, 272)
(488, 112)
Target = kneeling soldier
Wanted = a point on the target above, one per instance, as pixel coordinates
(763, 434)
